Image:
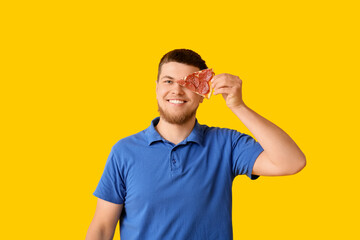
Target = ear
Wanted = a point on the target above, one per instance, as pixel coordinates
(156, 88)
(201, 99)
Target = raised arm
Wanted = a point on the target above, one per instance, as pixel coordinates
(281, 155)
(103, 225)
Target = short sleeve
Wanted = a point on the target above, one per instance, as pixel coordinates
(245, 152)
(111, 186)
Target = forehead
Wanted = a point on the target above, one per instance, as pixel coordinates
(177, 70)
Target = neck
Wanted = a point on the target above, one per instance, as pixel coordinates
(175, 133)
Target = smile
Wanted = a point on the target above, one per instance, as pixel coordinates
(175, 101)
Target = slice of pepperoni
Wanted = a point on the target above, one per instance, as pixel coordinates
(206, 75)
(196, 81)
(190, 86)
(203, 88)
(199, 82)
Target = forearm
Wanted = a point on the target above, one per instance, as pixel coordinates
(281, 155)
(277, 144)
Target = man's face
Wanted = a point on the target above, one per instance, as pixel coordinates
(177, 105)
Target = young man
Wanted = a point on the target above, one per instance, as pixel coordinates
(174, 179)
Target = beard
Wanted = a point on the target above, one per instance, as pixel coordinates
(176, 119)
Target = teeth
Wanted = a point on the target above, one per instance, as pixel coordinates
(176, 101)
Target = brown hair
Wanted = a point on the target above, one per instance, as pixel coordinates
(185, 56)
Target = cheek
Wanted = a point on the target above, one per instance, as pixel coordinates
(160, 93)
(197, 98)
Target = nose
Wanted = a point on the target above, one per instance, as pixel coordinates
(177, 89)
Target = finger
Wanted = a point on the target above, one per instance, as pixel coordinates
(217, 77)
(221, 84)
(226, 80)
(224, 90)
(229, 83)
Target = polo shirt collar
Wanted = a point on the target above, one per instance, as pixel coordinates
(196, 134)
(152, 135)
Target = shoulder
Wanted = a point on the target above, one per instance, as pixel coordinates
(218, 131)
(127, 145)
(125, 150)
(224, 135)
(218, 136)
(131, 140)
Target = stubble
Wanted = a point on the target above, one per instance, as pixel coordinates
(176, 119)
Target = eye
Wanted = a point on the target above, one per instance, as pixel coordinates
(168, 81)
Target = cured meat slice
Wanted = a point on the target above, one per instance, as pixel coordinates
(199, 82)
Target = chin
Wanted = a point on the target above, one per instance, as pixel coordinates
(179, 119)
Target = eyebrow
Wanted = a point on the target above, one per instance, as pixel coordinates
(167, 77)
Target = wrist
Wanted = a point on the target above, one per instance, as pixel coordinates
(238, 107)
(241, 111)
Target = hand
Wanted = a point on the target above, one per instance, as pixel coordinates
(230, 87)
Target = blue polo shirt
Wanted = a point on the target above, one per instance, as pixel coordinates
(178, 191)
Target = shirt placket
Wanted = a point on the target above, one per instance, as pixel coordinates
(174, 160)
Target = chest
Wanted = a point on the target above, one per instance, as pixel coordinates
(163, 176)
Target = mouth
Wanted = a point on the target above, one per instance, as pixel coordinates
(176, 101)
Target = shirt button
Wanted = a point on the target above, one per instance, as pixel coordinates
(174, 161)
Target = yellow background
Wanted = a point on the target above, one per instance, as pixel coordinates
(76, 76)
